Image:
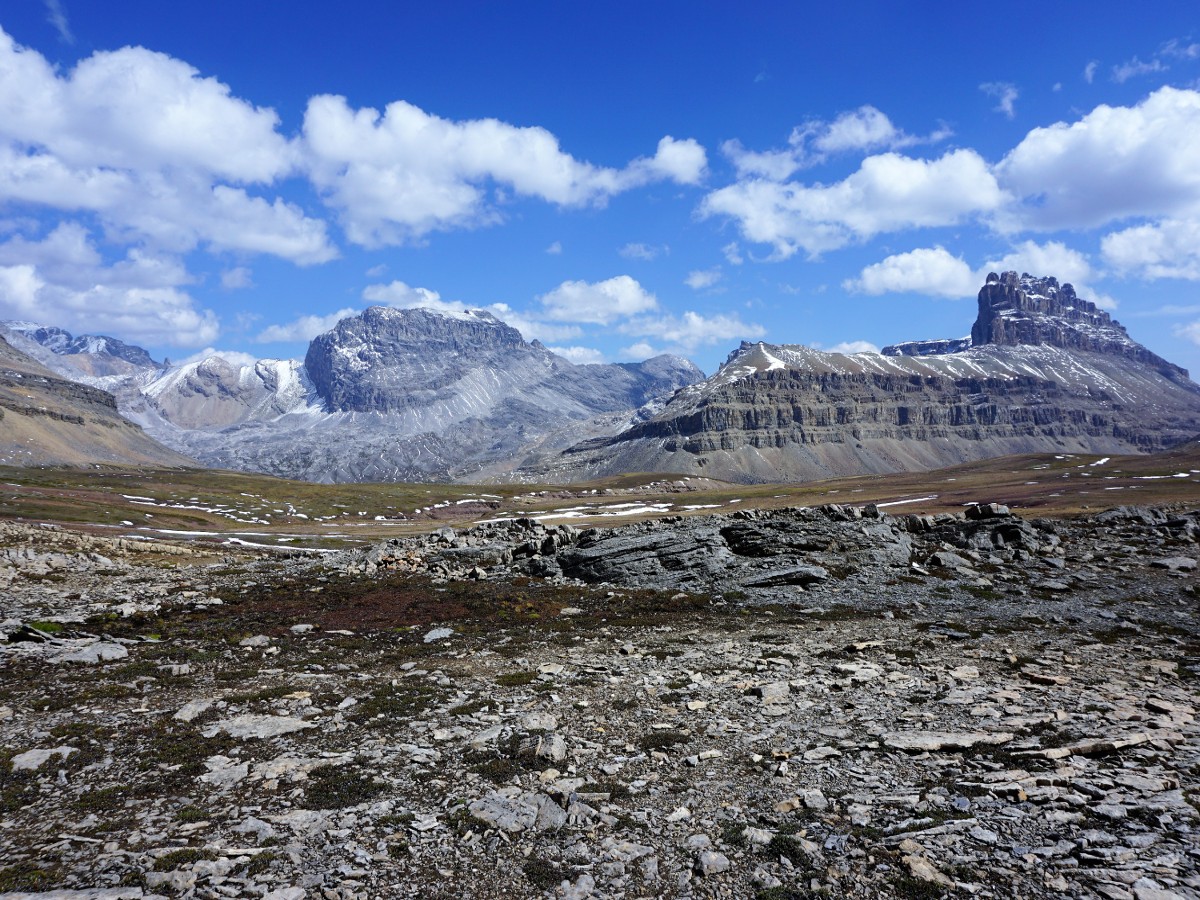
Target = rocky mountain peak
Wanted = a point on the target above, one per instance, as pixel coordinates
(384, 359)
(1024, 310)
(90, 354)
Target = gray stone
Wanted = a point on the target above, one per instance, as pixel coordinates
(92, 654)
(250, 727)
(710, 862)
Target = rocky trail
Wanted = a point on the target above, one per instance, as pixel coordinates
(786, 704)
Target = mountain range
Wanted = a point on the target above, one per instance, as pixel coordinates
(49, 420)
(386, 395)
(1042, 371)
(419, 395)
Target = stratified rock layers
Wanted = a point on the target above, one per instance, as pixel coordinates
(1044, 372)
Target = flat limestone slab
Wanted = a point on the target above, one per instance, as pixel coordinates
(247, 727)
(923, 741)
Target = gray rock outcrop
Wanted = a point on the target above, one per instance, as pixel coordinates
(1043, 371)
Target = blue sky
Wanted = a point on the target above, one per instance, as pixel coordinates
(615, 179)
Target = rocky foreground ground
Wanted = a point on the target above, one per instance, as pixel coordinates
(830, 702)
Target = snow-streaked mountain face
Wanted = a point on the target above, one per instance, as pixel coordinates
(392, 395)
(1043, 371)
(49, 420)
(86, 358)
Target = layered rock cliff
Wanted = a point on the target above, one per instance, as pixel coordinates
(49, 420)
(1043, 371)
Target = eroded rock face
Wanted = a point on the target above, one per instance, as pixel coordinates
(1044, 371)
(399, 395)
(1023, 310)
(469, 364)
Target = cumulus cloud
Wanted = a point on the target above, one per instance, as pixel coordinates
(733, 254)
(933, 271)
(403, 296)
(1052, 258)
(1111, 164)
(399, 295)
(1166, 249)
(889, 192)
(864, 129)
(1089, 71)
(62, 279)
(639, 351)
(146, 315)
(398, 175)
(555, 249)
(579, 355)
(598, 303)
(703, 278)
(159, 152)
(305, 328)
(1006, 96)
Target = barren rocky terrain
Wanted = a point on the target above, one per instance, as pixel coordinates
(773, 704)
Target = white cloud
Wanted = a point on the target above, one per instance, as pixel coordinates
(57, 17)
(134, 109)
(397, 176)
(776, 165)
(853, 347)
(579, 355)
(402, 296)
(62, 280)
(1135, 67)
(237, 278)
(555, 249)
(935, 272)
(1089, 71)
(861, 130)
(1189, 331)
(865, 128)
(159, 152)
(639, 351)
(1166, 249)
(733, 254)
(531, 328)
(305, 328)
(703, 278)
(644, 252)
(889, 192)
(1113, 163)
(691, 330)
(683, 162)
(399, 295)
(1006, 96)
(598, 303)
(144, 315)
(1052, 258)
(1177, 49)
(931, 271)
